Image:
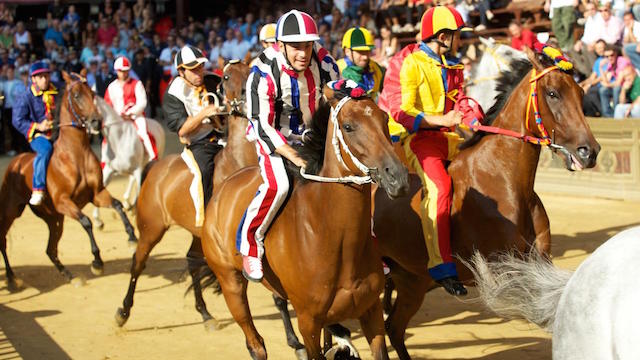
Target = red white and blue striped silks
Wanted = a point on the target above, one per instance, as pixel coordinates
(280, 102)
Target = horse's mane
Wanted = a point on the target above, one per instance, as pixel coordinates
(312, 150)
(505, 85)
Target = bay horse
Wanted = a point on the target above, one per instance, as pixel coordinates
(319, 253)
(592, 312)
(494, 204)
(126, 154)
(74, 178)
(165, 201)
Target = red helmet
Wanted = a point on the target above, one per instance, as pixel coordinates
(122, 64)
(440, 18)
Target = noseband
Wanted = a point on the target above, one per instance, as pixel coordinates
(77, 121)
(337, 140)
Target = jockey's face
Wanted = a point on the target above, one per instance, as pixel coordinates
(298, 54)
(123, 75)
(194, 76)
(359, 57)
(41, 80)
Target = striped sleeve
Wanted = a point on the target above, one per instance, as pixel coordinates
(261, 104)
(410, 116)
(328, 64)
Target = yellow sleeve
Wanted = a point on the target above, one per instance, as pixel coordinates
(410, 116)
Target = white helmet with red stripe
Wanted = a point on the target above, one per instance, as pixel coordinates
(296, 26)
(122, 64)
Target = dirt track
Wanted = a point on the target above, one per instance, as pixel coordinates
(51, 319)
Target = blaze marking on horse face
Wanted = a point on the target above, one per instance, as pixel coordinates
(368, 111)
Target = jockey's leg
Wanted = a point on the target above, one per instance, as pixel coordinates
(262, 210)
(141, 126)
(204, 151)
(427, 153)
(43, 148)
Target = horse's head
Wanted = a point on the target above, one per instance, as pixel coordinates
(366, 141)
(233, 89)
(79, 100)
(560, 106)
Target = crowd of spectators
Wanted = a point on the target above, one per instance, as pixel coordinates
(606, 55)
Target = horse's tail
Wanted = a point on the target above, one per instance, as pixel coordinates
(514, 287)
(207, 277)
(146, 170)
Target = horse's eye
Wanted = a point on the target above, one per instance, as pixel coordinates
(508, 52)
(552, 93)
(226, 77)
(347, 127)
(76, 96)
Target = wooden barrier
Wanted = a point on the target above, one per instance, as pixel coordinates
(617, 173)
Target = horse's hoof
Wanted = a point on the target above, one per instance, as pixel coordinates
(121, 317)
(301, 354)
(212, 325)
(97, 270)
(78, 282)
(15, 285)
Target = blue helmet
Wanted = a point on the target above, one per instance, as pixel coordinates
(39, 67)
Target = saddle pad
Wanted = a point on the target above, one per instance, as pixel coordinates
(195, 189)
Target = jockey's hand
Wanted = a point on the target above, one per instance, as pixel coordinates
(210, 111)
(452, 118)
(45, 125)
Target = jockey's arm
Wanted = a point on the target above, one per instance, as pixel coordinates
(141, 100)
(193, 122)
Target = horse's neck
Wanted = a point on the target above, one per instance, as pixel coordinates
(70, 136)
(243, 150)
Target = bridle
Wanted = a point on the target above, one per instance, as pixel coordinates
(77, 121)
(237, 103)
(337, 140)
(473, 116)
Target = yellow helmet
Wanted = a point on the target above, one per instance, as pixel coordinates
(358, 38)
(268, 33)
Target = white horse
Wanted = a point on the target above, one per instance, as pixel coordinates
(126, 154)
(593, 313)
(495, 59)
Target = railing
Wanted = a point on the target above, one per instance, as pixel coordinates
(617, 173)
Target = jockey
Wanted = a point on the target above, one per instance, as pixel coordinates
(430, 83)
(283, 92)
(129, 99)
(186, 108)
(357, 64)
(267, 35)
(33, 116)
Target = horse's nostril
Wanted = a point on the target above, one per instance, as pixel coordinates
(584, 152)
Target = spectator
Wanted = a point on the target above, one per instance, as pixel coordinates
(92, 72)
(563, 19)
(216, 51)
(387, 47)
(89, 32)
(165, 55)
(631, 32)
(89, 51)
(601, 26)
(228, 45)
(54, 32)
(394, 9)
(520, 37)
(22, 38)
(6, 38)
(71, 22)
(104, 77)
(12, 87)
(4, 57)
(106, 32)
(73, 64)
(250, 28)
(484, 10)
(631, 86)
(56, 9)
(612, 80)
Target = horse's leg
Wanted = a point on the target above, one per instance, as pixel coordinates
(311, 328)
(6, 219)
(104, 199)
(127, 194)
(410, 290)
(541, 227)
(372, 324)
(56, 224)
(66, 206)
(137, 176)
(107, 172)
(292, 339)
(389, 286)
(234, 288)
(195, 261)
(150, 235)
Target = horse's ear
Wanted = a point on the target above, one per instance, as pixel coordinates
(533, 58)
(486, 42)
(220, 62)
(83, 72)
(66, 76)
(247, 58)
(329, 95)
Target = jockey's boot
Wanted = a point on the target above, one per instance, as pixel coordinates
(252, 268)
(453, 285)
(36, 197)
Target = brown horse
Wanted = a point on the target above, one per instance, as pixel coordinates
(165, 201)
(494, 204)
(74, 179)
(319, 252)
